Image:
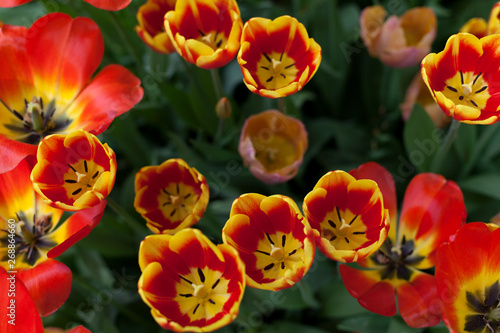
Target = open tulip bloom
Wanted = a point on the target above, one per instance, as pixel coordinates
(273, 239)
(277, 57)
(347, 215)
(464, 78)
(433, 210)
(43, 91)
(467, 278)
(74, 171)
(205, 32)
(189, 283)
(171, 196)
(151, 27)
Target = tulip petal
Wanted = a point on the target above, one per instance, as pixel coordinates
(112, 5)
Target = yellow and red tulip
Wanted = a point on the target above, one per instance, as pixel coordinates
(35, 225)
(494, 20)
(463, 78)
(43, 92)
(475, 26)
(37, 291)
(273, 145)
(433, 210)
(74, 171)
(171, 196)
(273, 239)
(112, 5)
(399, 41)
(151, 28)
(189, 283)
(467, 279)
(347, 215)
(205, 32)
(277, 57)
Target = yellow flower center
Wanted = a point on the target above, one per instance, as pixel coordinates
(35, 122)
(275, 151)
(467, 89)
(276, 70)
(345, 231)
(202, 293)
(81, 178)
(213, 39)
(275, 258)
(177, 202)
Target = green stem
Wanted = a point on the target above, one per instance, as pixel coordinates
(281, 105)
(441, 154)
(219, 93)
(124, 36)
(129, 219)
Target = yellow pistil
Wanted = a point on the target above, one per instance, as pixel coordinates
(200, 291)
(81, 178)
(277, 252)
(276, 70)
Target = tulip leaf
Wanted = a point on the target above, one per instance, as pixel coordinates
(367, 323)
(421, 139)
(466, 141)
(487, 184)
(338, 303)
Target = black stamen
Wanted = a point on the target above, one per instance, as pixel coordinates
(266, 253)
(177, 187)
(269, 238)
(77, 191)
(215, 284)
(346, 240)
(355, 217)
(332, 224)
(268, 267)
(173, 212)
(281, 56)
(196, 308)
(202, 276)
(477, 77)
(219, 43)
(282, 265)
(165, 191)
(283, 75)
(95, 174)
(71, 167)
(186, 295)
(473, 103)
(182, 277)
(85, 165)
(292, 253)
(267, 57)
(187, 195)
(451, 88)
(333, 238)
(70, 181)
(461, 98)
(462, 77)
(481, 90)
(263, 67)
(283, 240)
(338, 213)
(358, 233)
(212, 302)
(289, 66)
(17, 114)
(166, 203)
(201, 33)
(270, 79)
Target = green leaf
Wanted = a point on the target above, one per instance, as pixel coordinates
(338, 303)
(421, 138)
(369, 323)
(466, 141)
(485, 184)
(397, 325)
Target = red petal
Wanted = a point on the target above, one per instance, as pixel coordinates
(433, 210)
(13, 3)
(25, 317)
(76, 227)
(63, 54)
(14, 152)
(49, 285)
(112, 92)
(418, 301)
(373, 294)
(112, 5)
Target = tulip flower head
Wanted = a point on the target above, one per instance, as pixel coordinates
(433, 210)
(171, 196)
(273, 145)
(151, 28)
(189, 283)
(205, 32)
(273, 239)
(277, 57)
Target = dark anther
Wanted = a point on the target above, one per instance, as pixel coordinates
(462, 77)
(333, 238)
(215, 283)
(166, 203)
(201, 33)
(76, 191)
(281, 56)
(196, 308)
(95, 174)
(202, 276)
(264, 67)
(70, 181)
(284, 76)
(219, 43)
(177, 188)
(17, 114)
(282, 265)
(358, 233)
(186, 295)
(451, 88)
(165, 191)
(332, 224)
(212, 302)
(72, 167)
(289, 66)
(267, 57)
(266, 253)
(268, 267)
(292, 253)
(481, 90)
(182, 277)
(477, 77)
(355, 217)
(269, 238)
(461, 98)
(338, 213)
(473, 103)
(283, 240)
(270, 79)
(173, 212)
(85, 166)
(346, 240)
(187, 195)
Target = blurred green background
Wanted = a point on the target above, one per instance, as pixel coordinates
(351, 111)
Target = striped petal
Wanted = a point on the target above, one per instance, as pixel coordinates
(273, 239)
(151, 26)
